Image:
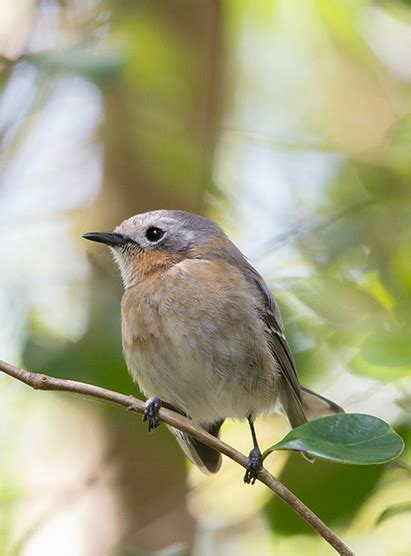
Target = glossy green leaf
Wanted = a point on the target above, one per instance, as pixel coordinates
(354, 438)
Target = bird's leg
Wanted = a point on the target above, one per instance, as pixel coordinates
(151, 412)
(254, 457)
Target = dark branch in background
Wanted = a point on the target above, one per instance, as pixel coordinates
(44, 382)
(301, 229)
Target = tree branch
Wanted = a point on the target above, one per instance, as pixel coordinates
(44, 382)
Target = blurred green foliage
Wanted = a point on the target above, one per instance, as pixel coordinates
(323, 493)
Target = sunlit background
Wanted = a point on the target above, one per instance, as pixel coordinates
(288, 122)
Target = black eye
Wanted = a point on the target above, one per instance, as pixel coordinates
(154, 234)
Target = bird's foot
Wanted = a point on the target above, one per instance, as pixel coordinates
(255, 461)
(151, 413)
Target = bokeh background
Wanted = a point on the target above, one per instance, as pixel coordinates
(288, 122)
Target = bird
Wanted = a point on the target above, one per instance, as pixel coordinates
(201, 332)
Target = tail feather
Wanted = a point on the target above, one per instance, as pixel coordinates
(316, 405)
(206, 459)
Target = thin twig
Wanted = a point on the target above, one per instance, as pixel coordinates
(301, 229)
(44, 382)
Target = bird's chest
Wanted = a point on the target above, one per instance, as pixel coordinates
(162, 347)
(189, 343)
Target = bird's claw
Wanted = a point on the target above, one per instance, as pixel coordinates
(253, 467)
(151, 413)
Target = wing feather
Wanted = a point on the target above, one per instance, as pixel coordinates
(290, 390)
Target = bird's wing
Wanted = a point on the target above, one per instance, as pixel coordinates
(290, 390)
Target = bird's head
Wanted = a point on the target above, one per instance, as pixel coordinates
(161, 238)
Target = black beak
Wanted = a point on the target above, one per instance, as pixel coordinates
(109, 238)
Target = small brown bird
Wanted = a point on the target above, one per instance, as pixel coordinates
(201, 331)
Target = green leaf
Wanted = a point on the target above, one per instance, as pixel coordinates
(384, 356)
(387, 350)
(393, 510)
(344, 438)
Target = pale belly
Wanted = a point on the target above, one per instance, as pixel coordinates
(205, 388)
